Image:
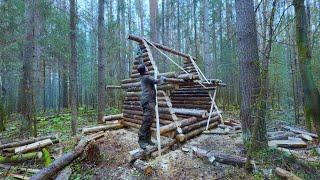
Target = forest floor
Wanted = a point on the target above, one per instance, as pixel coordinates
(180, 163)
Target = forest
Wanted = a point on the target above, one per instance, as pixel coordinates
(240, 99)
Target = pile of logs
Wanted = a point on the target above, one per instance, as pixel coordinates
(183, 102)
(290, 137)
(30, 150)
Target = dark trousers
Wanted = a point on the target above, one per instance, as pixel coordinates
(148, 116)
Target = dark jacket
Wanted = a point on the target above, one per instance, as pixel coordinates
(148, 93)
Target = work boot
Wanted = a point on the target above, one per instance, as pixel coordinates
(143, 144)
(149, 139)
(150, 142)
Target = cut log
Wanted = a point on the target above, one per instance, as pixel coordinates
(220, 157)
(18, 176)
(142, 154)
(173, 126)
(21, 157)
(113, 87)
(174, 80)
(186, 76)
(283, 136)
(275, 133)
(288, 143)
(197, 132)
(198, 125)
(143, 167)
(113, 117)
(101, 128)
(298, 131)
(165, 118)
(34, 146)
(162, 47)
(65, 159)
(286, 174)
(305, 137)
(16, 168)
(28, 141)
(191, 112)
(64, 174)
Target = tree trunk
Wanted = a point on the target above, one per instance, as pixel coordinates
(101, 62)
(259, 131)
(73, 66)
(247, 50)
(249, 64)
(311, 92)
(205, 43)
(28, 72)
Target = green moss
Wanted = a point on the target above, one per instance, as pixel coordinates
(46, 157)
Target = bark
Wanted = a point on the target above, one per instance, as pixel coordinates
(21, 157)
(205, 43)
(101, 63)
(101, 128)
(112, 117)
(259, 131)
(27, 87)
(73, 66)
(310, 90)
(247, 50)
(191, 112)
(33, 146)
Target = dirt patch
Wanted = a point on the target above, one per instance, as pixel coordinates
(175, 164)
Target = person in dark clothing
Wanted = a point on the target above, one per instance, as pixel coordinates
(148, 102)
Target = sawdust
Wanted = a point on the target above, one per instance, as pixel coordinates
(175, 164)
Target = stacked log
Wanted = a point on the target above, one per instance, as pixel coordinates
(186, 104)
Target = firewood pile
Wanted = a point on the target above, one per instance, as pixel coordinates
(184, 100)
(20, 159)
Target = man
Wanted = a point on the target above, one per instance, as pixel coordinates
(148, 102)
